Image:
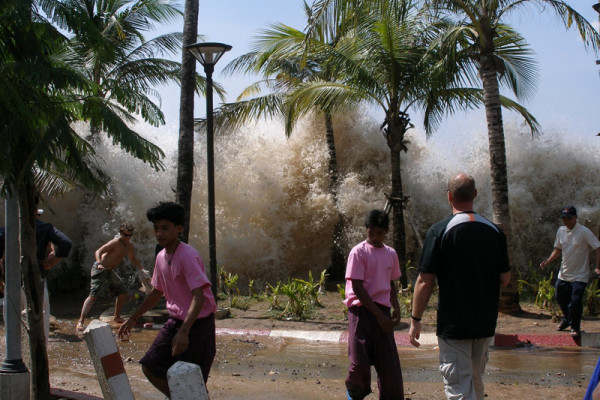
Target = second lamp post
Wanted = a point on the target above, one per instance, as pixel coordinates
(208, 54)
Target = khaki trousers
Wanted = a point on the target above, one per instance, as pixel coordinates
(462, 364)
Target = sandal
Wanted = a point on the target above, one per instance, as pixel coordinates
(575, 334)
(562, 326)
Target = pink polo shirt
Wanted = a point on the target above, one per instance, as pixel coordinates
(177, 281)
(376, 267)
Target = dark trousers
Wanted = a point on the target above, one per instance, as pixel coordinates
(369, 345)
(201, 348)
(570, 298)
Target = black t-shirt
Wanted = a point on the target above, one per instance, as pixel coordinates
(467, 253)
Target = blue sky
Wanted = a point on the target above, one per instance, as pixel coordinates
(568, 95)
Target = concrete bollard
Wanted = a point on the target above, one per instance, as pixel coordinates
(107, 361)
(186, 382)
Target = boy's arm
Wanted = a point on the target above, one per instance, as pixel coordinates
(150, 301)
(366, 301)
(181, 341)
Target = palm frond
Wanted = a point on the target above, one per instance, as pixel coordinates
(233, 115)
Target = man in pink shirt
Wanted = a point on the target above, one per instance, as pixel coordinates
(179, 275)
(371, 293)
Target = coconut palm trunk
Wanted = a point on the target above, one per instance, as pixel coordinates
(398, 124)
(33, 286)
(500, 206)
(337, 268)
(185, 154)
(399, 238)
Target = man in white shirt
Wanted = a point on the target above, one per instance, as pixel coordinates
(573, 241)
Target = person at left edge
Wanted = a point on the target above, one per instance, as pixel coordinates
(51, 246)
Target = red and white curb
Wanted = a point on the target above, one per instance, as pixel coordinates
(107, 361)
(402, 339)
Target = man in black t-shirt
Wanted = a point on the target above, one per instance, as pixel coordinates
(468, 256)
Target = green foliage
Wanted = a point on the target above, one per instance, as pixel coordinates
(405, 297)
(241, 303)
(275, 296)
(297, 299)
(251, 292)
(301, 296)
(311, 288)
(591, 298)
(544, 291)
(230, 281)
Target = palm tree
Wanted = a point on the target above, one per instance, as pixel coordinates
(484, 48)
(36, 112)
(279, 56)
(42, 97)
(108, 47)
(185, 153)
(391, 65)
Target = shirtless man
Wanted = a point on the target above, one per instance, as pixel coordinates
(104, 280)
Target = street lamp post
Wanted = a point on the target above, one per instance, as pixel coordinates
(14, 376)
(208, 54)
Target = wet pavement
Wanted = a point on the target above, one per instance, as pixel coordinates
(260, 367)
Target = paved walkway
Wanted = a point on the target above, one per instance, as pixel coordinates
(591, 339)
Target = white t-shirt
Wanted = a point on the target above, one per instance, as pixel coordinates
(575, 245)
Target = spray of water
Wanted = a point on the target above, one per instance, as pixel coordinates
(275, 217)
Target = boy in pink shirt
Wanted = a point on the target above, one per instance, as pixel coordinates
(179, 275)
(371, 292)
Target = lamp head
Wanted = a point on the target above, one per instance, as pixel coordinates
(208, 53)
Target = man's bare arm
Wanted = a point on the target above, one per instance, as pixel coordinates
(553, 256)
(423, 290)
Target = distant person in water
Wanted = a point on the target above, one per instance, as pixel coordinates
(105, 282)
(468, 256)
(574, 242)
(371, 293)
(179, 275)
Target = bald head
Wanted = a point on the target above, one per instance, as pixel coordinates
(462, 188)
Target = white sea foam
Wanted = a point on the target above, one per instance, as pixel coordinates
(275, 217)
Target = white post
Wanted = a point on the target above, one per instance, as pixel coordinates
(186, 382)
(107, 361)
(14, 376)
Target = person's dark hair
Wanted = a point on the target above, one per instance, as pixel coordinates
(462, 188)
(377, 219)
(168, 210)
